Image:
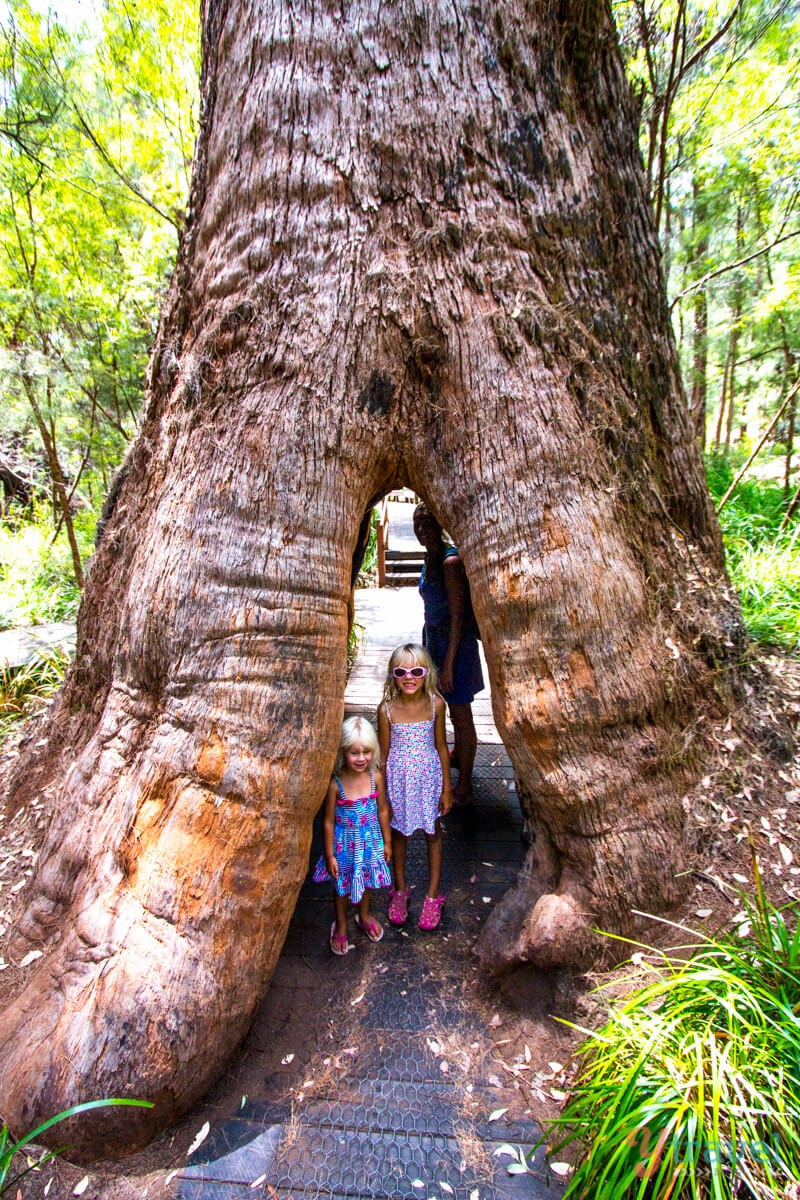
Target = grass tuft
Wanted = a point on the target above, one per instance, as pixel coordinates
(692, 1088)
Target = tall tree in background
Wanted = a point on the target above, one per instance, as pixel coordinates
(96, 139)
(420, 252)
(718, 82)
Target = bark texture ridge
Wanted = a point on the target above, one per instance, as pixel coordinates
(418, 251)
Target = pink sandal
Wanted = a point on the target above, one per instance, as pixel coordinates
(398, 906)
(431, 913)
(370, 928)
(339, 944)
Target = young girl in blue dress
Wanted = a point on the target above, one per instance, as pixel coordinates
(413, 744)
(356, 832)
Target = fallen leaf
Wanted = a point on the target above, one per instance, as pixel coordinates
(517, 1168)
(497, 1114)
(560, 1168)
(446, 1187)
(786, 853)
(506, 1149)
(257, 1182)
(30, 957)
(474, 1194)
(495, 1021)
(287, 1058)
(417, 1183)
(703, 912)
(557, 1094)
(527, 1053)
(556, 1067)
(200, 1137)
(81, 1187)
(358, 999)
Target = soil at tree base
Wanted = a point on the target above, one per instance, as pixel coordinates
(519, 1057)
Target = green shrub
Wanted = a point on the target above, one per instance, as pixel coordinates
(8, 1148)
(692, 1088)
(22, 689)
(36, 575)
(763, 561)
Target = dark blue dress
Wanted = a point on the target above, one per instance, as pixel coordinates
(467, 673)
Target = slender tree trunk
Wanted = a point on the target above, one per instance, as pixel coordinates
(419, 252)
(699, 395)
(62, 514)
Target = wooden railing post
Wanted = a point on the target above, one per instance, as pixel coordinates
(383, 540)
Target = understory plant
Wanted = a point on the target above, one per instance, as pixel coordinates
(692, 1088)
(23, 688)
(762, 554)
(8, 1148)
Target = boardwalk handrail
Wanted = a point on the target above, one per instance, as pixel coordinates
(383, 539)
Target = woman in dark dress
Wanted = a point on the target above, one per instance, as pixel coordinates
(451, 638)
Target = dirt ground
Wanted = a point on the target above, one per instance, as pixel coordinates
(749, 795)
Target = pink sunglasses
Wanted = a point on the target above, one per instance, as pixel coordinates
(414, 672)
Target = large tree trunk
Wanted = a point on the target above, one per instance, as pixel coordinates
(419, 251)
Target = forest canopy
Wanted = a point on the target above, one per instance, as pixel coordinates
(98, 120)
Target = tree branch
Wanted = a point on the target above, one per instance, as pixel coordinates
(741, 262)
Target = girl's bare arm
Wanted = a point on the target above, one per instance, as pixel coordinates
(328, 820)
(384, 817)
(384, 735)
(440, 741)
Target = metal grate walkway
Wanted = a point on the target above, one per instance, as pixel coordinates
(395, 1093)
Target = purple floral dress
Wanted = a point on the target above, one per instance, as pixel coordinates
(413, 774)
(357, 845)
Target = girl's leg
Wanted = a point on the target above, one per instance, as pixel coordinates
(434, 841)
(399, 844)
(340, 908)
(466, 744)
(370, 925)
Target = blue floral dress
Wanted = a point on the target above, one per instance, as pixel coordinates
(357, 845)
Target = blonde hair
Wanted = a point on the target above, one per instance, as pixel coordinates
(422, 658)
(358, 729)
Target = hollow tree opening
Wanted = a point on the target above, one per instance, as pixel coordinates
(418, 248)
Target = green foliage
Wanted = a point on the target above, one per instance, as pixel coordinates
(692, 1088)
(719, 88)
(763, 561)
(97, 128)
(8, 1148)
(37, 583)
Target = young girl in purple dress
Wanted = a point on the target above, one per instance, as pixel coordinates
(413, 746)
(356, 831)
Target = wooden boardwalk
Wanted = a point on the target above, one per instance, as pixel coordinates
(371, 1104)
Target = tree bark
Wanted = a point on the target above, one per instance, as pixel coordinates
(419, 251)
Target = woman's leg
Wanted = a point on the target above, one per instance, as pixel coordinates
(466, 744)
(434, 841)
(399, 842)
